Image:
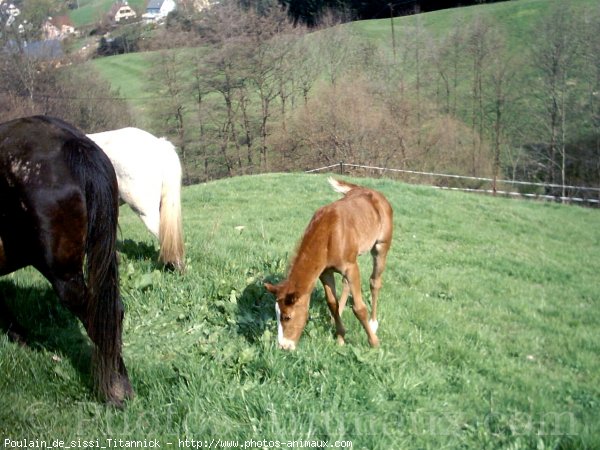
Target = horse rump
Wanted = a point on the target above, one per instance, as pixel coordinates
(60, 178)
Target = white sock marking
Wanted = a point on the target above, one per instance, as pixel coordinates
(374, 324)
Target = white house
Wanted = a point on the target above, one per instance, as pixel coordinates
(122, 11)
(58, 28)
(158, 9)
(8, 12)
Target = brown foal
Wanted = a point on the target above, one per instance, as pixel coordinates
(360, 221)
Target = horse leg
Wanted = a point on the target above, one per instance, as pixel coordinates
(151, 219)
(344, 296)
(72, 291)
(379, 253)
(358, 306)
(328, 280)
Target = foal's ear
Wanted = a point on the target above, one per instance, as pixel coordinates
(271, 288)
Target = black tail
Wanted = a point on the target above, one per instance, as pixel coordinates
(93, 170)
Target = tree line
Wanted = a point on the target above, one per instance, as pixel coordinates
(247, 91)
(272, 96)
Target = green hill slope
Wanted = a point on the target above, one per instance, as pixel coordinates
(518, 18)
(488, 325)
(129, 75)
(467, 84)
(92, 11)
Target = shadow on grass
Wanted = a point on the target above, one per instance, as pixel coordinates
(256, 309)
(138, 250)
(37, 315)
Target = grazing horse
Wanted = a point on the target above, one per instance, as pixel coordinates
(149, 176)
(339, 232)
(59, 208)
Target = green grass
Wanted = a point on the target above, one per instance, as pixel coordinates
(128, 74)
(92, 11)
(518, 18)
(488, 315)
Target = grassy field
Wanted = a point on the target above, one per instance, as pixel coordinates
(488, 315)
(518, 18)
(92, 11)
(128, 74)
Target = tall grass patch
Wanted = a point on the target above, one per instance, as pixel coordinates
(488, 328)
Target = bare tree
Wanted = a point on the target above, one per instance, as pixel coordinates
(591, 56)
(267, 71)
(479, 50)
(336, 45)
(306, 66)
(448, 61)
(168, 80)
(554, 55)
(22, 70)
(500, 75)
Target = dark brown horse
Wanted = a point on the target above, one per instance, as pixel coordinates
(59, 209)
(359, 222)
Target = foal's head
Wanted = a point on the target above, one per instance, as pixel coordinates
(292, 313)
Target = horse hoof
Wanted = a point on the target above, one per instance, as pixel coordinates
(120, 391)
(177, 266)
(341, 341)
(17, 338)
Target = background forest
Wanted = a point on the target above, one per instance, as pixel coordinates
(507, 89)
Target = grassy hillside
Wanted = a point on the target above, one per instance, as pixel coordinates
(516, 23)
(129, 75)
(488, 314)
(92, 11)
(518, 18)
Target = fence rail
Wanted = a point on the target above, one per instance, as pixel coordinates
(594, 201)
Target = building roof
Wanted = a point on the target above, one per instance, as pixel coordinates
(60, 21)
(155, 4)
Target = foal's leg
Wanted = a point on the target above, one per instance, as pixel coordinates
(344, 296)
(379, 253)
(358, 305)
(328, 280)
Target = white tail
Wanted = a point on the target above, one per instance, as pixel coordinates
(341, 186)
(170, 234)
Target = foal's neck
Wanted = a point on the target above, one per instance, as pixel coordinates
(308, 264)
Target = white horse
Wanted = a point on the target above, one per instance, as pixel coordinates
(149, 176)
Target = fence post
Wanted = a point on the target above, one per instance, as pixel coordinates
(341, 167)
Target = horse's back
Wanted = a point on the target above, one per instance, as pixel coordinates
(369, 212)
(127, 146)
(365, 214)
(140, 160)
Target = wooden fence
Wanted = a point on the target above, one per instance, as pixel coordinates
(578, 194)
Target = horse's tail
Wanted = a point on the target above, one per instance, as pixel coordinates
(343, 187)
(170, 234)
(96, 176)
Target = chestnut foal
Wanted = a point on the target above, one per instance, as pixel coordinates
(336, 235)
